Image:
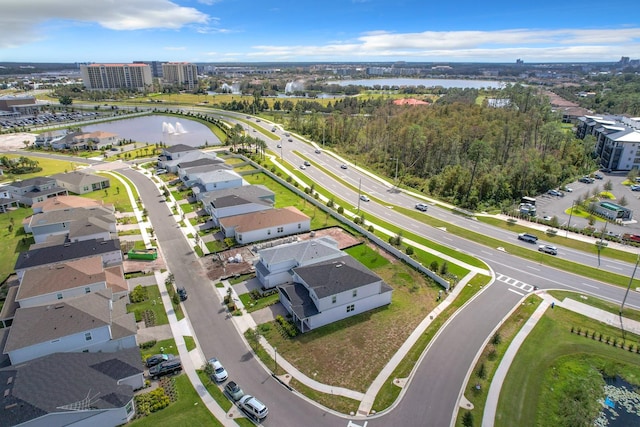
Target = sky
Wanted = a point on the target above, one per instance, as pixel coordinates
(318, 30)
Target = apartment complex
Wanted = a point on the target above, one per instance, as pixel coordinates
(116, 76)
(180, 73)
(617, 140)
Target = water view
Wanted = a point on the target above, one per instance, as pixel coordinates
(621, 406)
(446, 83)
(158, 128)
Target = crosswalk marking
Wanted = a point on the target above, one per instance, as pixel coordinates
(514, 282)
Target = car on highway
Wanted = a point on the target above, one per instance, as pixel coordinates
(306, 163)
(253, 407)
(279, 145)
(318, 151)
(422, 207)
(303, 167)
(527, 237)
(290, 140)
(234, 391)
(548, 249)
(219, 373)
(343, 166)
(273, 129)
(364, 198)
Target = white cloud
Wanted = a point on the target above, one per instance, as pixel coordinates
(21, 24)
(562, 44)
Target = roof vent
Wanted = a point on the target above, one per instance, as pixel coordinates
(338, 265)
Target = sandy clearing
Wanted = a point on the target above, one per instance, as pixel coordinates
(14, 141)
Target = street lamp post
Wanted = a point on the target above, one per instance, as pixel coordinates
(570, 215)
(275, 359)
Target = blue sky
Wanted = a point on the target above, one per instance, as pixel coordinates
(318, 30)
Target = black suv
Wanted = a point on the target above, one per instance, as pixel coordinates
(165, 368)
(182, 293)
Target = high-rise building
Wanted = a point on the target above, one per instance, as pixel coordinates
(156, 67)
(180, 73)
(116, 76)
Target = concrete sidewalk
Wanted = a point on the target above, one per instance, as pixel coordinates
(586, 310)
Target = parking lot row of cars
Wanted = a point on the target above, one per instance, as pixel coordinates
(44, 119)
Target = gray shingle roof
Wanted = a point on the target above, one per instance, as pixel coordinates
(206, 161)
(178, 148)
(301, 302)
(47, 384)
(335, 276)
(257, 191)
(65, 252)
(78, 178)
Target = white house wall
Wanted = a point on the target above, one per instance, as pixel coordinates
(70, 343)
(272, 232)
(340, 312)
(220, 185)
(346, 297)
(52, 298)
(89, 418)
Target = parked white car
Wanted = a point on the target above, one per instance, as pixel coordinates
(219, 373)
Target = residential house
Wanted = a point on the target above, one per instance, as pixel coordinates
(275, 264)
(66, 202)
(97, 140)
(211, 180)
(172, 155)
(33, 190)
(6, 202)
(73, 225)
(52, 283)
(329, 291)
(190, 175)
(237, 201)
(257, 192)
(79, 389)
(264, 225)
(46, 139)
(209, 159)
(89, 323)
(81, 182)
(108, 250)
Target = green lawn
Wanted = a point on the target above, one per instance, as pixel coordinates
(214, 391)
(556, 368)
(252, 305)
(167, 346)
(153, 303)
(187, 411)
(368, 256)
(607, 306)
(115, 195)
(14, 239)
(49, 167)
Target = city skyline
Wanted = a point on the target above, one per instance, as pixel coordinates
(334, 30)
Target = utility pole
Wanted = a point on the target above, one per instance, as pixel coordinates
(570, 215)
(599, 244)
(626, 294)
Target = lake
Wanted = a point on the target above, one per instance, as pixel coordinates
(158, 128)
(446, 83)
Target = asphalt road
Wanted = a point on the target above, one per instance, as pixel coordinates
(432, 396)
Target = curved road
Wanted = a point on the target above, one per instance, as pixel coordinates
(432, 395)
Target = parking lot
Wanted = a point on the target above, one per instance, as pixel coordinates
(550, 205)
(44, 119)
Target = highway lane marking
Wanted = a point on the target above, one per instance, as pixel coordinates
(591, 286)
(533, 268)
(487, 252)
(614, 268)
(515, 292)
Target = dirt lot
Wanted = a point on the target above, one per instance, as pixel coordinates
(14, 141)
(218, 265)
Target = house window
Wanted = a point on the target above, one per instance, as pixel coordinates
(87, 336)
(334, 299)
(86, 188)
(59, 296)
(129, 407)
(355, 293)
(350, 308)
(280, 229)
(269, 233)
(87, 290)
(299, 226)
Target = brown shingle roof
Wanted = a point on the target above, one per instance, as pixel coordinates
(54, 278)
(264, 219)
